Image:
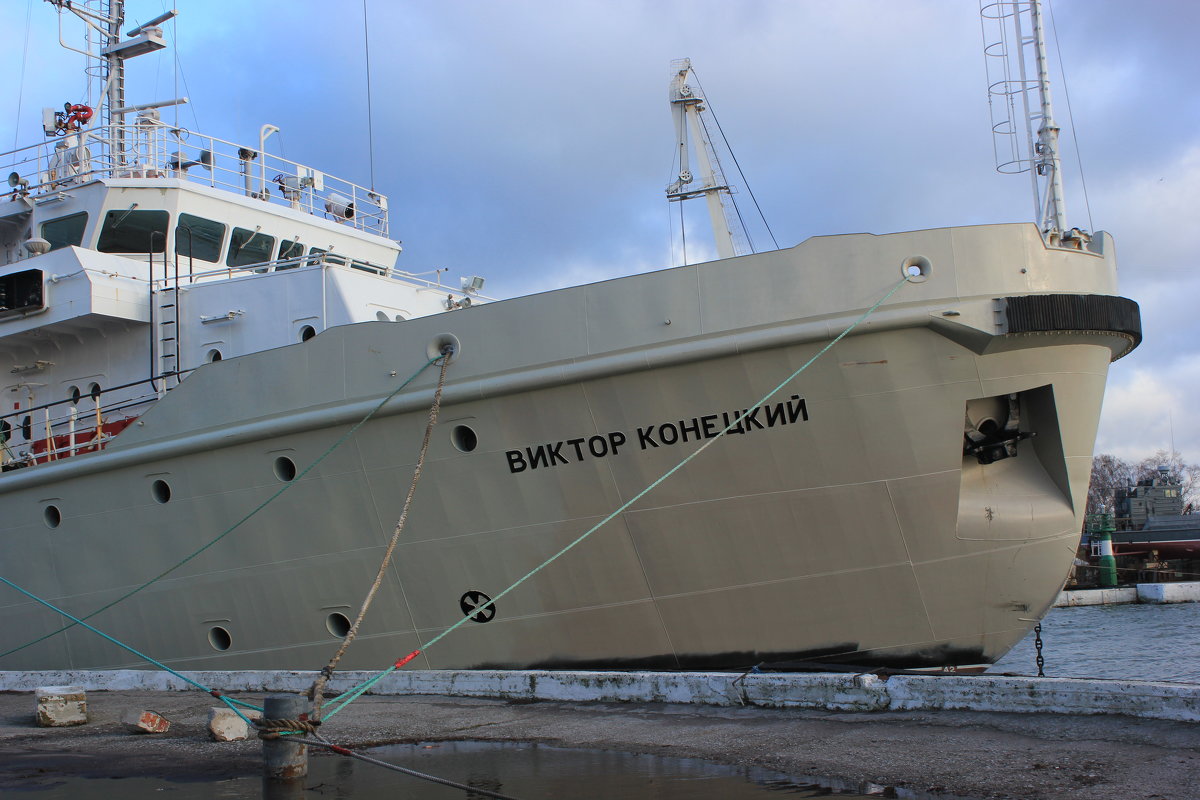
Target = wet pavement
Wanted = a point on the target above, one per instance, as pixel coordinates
(525, 771)
(968, 754)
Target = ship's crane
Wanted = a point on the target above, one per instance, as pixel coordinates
(690, 133)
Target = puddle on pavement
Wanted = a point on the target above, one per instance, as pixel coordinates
(524, 771)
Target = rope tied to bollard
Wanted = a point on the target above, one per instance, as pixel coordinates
(278, 728)
(316, 694)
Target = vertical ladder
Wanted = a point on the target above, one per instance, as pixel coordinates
(168, 335)
(164, 326)
(1017, 67)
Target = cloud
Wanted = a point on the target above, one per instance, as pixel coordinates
(1156, 207)
(1151, 409)
(530, 141)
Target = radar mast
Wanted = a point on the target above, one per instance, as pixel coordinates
(1015, 46)
(106, 54)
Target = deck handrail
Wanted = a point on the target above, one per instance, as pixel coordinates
(150, 149)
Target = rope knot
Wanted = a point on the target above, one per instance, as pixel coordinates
(278, 728)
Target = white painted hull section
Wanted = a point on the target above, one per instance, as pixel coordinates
(860, 534)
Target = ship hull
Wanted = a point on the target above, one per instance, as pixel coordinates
(840, 520)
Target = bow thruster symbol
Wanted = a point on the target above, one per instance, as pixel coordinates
(470, 604)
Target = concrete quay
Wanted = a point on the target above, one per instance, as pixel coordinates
(1184, 592)
(987, 755)
(818, 691)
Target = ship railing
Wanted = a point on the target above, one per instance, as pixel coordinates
(151, 149)
(188, 275)
(41, 434)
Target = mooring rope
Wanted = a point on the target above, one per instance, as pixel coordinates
(357, 691)
(472, 791)
(278, 728)
(317, 692)
(267, 728)
(239, 523)
(77, 621)
(284, 727)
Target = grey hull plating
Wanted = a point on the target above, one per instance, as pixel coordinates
(844, 521)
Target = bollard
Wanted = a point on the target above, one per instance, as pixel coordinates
(283, 759)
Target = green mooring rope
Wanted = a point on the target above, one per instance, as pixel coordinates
(232, 528)
(233, 704)
(350, 695)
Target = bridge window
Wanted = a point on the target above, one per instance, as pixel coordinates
(21, 291)
(199, 238)
(330, 258)
(249, 247)
(290, 250)
(65, 231)
(133, 231)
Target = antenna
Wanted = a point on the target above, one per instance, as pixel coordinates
(1015, 55)
(161, 18)
(104, 19)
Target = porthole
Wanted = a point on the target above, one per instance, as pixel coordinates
(27, 428)
(382, 316)
(307, 332)
(285, 469)
(219, 638)
(52, 516)
(463, 438)
(161, 491)
(94, 391)
(5, 431)
(338, 624)
(213, 355)
(75, 395)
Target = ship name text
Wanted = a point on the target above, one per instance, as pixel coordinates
(665, 434)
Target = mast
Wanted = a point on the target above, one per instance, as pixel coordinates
(114, 78)
(686, 108)
(1054, 211)
(105, 18)
(1017, 64)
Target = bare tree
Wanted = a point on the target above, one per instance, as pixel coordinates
(1109, 473)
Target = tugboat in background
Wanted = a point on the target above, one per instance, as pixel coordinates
(1152, 535)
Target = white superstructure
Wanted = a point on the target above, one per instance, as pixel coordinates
(133, 252)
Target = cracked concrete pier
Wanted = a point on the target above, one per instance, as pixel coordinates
(860, 731)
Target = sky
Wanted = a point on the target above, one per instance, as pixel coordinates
(530, 141)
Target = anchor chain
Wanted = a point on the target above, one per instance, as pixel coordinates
(1037, 645)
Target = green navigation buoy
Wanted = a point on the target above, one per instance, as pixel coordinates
(1101, 528)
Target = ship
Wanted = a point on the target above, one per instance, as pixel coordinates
(1151, 519)
(217, 380)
